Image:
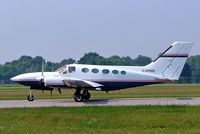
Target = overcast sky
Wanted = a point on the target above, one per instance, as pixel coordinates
(59, 29)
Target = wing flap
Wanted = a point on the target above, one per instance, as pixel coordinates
(76, 83)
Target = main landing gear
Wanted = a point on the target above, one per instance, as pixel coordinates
(30, 96)
(78, 97)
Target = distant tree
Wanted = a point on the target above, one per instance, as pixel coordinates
(142, 60)
(128, 61)
(113, 60)
(91, 58)
(187, 72)
(194, 63)
(67, 61)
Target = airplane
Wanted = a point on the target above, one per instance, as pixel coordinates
(167, 67)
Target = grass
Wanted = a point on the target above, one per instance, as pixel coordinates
(107, 120)
(17, 92)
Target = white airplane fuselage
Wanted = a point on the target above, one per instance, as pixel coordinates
(117, 77)
(167, 67)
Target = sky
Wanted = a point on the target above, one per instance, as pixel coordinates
(60, 29)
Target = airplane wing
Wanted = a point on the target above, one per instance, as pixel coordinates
(75, 83)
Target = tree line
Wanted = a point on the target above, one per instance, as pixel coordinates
(27, 64)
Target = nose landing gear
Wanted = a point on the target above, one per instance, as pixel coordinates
(30, 96)
(78, 97)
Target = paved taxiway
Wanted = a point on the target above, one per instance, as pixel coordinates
(100, 102)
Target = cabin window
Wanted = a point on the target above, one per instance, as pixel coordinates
(115, 72)
(123, 72)
(85, 70)
(105, 71)
(95, 70)
(71, 69)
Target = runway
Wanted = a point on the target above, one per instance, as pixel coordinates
(100, 102)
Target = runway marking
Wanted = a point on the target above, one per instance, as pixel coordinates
(100, 102)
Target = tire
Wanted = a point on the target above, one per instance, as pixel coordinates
(30, 97)
(86, 95)
(78, 98)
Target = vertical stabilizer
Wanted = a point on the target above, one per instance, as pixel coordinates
(170, 64)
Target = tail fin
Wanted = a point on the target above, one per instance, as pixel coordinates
(169, 64)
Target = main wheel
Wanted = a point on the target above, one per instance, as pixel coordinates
(30, 97)
(86, 95)
(78, 98)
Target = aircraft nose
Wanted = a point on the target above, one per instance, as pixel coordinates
(27, 79)
(13, 78)
(17, 78)
(24, 77)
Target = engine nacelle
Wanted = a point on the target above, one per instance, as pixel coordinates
(53, 82)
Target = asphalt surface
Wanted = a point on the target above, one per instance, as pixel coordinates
(100, 102)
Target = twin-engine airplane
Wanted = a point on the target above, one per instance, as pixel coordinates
(167, 67)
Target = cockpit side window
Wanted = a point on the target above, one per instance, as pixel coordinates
(71, 69)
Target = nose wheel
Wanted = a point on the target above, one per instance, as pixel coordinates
(78, 97)
(30, 96)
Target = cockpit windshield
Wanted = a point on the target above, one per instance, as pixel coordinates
(61, 70)
(66, 69)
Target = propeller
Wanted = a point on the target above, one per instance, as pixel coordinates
(43, 70)
(42, 79)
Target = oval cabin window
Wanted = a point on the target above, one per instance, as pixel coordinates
(123, 72)
(95, 70)
(85, 70)
(115, 72)
(105, 71)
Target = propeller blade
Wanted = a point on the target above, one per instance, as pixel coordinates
(59, 91)
(43, 77)
(43, 70)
